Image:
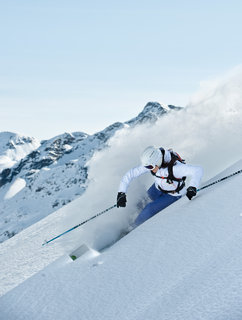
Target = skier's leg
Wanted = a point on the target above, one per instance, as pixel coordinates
(154, 207)
(154, 193)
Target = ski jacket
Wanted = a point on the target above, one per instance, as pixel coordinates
(180, 170)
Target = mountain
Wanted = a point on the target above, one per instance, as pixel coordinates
(183, 263)
(54, 172)
(14, 147)
(151, 113)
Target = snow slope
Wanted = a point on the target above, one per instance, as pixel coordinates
(184, 263)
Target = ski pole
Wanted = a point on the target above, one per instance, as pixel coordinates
(78, 225)
(217, 181)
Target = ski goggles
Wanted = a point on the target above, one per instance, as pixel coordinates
(150, 167)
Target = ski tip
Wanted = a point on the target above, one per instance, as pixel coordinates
(80, 251)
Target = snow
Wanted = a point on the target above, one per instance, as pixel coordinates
(184, 263)
(14, 147)
(67, 147)
(15, 188)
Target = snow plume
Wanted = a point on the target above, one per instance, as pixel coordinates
(208, 132)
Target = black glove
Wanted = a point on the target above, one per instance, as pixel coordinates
(121, 199)
(191, 192)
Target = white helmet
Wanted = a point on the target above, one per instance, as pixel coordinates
(151, 156)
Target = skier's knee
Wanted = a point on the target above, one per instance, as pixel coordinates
(150, 209)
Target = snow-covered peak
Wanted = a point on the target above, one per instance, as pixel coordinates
(11, 140)
(14, 147)
(151, 113)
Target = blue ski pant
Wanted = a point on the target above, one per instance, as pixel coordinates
(160, 201)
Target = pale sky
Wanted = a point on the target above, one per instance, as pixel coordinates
(82, 65)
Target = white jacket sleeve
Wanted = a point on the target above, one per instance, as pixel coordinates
(185, 170)
(129, 176)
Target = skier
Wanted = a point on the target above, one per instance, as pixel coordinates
(170, 172)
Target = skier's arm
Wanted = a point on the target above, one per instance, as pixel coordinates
(129, 176)
(194, 172)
